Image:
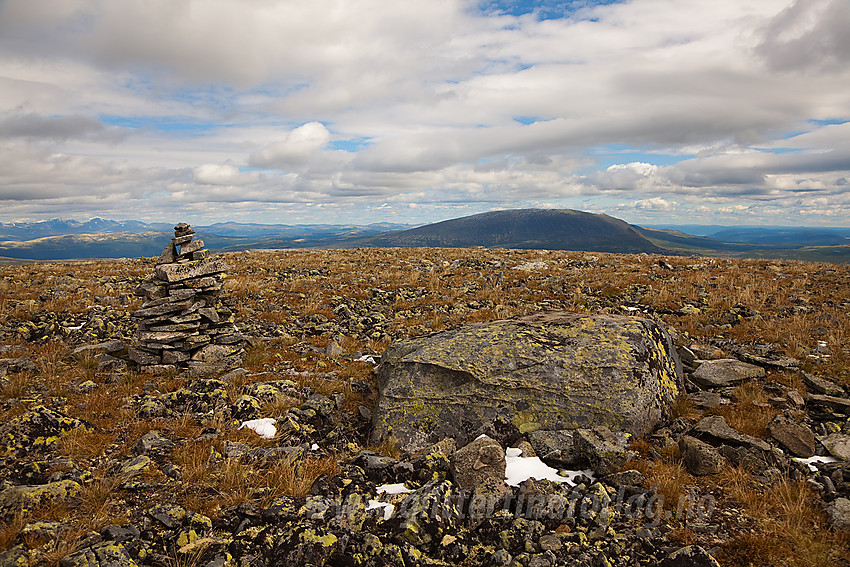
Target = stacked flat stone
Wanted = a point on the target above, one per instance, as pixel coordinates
(183, 321)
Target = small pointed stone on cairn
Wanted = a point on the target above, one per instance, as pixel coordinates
(183, 322)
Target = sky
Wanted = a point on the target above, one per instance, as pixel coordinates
(358, 111)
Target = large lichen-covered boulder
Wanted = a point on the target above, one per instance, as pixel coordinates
(546, 371)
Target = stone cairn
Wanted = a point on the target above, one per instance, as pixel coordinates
(183, 322)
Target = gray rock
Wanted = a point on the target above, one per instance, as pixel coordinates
(172, 273)
(822, 385)
(839, 513)
(838, 445)
(700, 458)
(153, 444)
(478, 461)
(106, 554)
(555, 448)
(795, 437)
(832, 402)
(426, 514)
(715, 428)
(602, 449)
(548, 371)
(725, 372)
(168, 255)
(690, 556)
(133, 467)
(108, 347)
(15, 498)
(707, 399)
(245, 407)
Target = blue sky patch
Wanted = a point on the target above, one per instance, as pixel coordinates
(526, 119)
(351, 145)
(174, 125)
(543, 9)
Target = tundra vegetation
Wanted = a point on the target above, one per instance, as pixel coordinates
(314, 318)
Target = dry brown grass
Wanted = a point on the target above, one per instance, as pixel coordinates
(669, 478)
(751, 411)
(10, 529)
(84, 444)
(100, 504)
(792, 527)
(16, 385)
(212, 483)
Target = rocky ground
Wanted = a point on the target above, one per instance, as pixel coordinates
(106, 465)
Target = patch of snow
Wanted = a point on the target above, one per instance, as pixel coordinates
(367, 358)
(388, 508)
(263, 427)
(398, 488)
(519, 469)
(816, 459)
(76, 328)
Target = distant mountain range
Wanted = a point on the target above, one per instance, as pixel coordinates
(555, 229)
(61, 227)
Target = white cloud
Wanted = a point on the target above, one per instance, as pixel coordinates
(296, 149)
(213, 174)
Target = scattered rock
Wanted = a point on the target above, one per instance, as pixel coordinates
(605, 452)
(714, 427)
(37, 430)
(555, 448)
(22, 498)
(690, 556)
(839, 513)
(478, 461)
(795, 437)
(700, 458)
(725, 372)
(838, 445)
(822, 385)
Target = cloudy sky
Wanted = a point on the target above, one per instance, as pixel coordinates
(357, 111)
